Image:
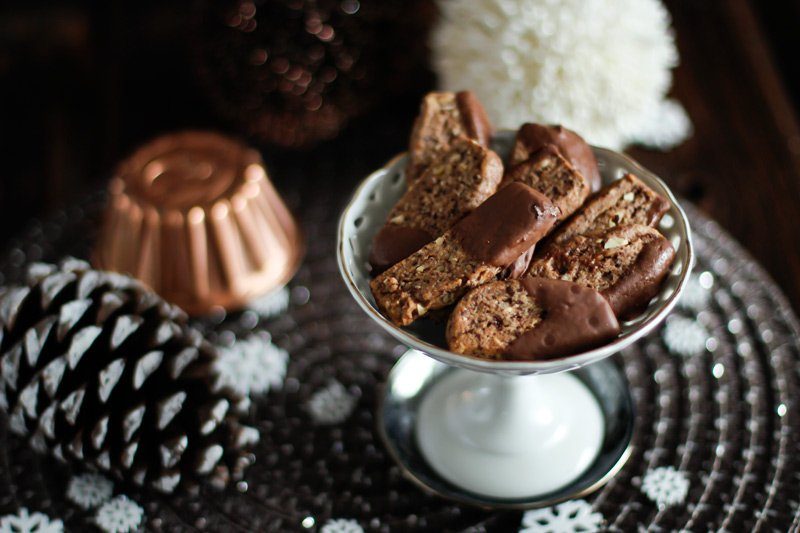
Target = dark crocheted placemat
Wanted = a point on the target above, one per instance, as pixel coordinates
(716, 388)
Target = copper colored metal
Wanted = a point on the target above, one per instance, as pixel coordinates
(194, 216)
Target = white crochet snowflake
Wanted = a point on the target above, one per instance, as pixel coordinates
(341, 525)
(252, 366)
(89, 490)
(332, 404)
(665, 485)
(271, 304)
(567, 517)
(684, 336)
(695, 296)
(119, 515)
(25, 522)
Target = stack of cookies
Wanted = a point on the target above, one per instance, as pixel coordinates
(534, 260)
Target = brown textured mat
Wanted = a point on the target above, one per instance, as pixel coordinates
(715, 390)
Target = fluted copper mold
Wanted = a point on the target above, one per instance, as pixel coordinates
(194, 216)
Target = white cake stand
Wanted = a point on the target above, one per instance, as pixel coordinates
(504, 433)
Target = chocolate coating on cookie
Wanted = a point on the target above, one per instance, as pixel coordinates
(473, 117)
(506, 225)
(454, 184)
(575, 319)
(533, 137)
(642, 282)
(394, 243)
(518, 268)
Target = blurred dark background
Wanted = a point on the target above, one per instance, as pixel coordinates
(83, 83)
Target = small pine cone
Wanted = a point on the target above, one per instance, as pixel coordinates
(100, 371)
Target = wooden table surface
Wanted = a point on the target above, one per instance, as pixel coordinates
(80, 87)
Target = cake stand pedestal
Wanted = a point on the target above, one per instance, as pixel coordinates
(500, 433)
(506, 441)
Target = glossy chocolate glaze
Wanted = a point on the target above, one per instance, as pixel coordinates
(394, 243)
(533, 137)
(506, 225)
(657, 210)
(518, 268)
(575, 319)
(638, 286)
(474, 117)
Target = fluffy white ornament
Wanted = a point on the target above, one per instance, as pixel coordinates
(599, 67)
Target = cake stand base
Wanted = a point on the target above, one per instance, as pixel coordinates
(506, 441)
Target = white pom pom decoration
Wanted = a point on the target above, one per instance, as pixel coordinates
(599, 67)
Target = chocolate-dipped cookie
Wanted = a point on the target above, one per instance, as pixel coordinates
(552, 175)
(548, 172)
(443, 117)
(530, 318)
(624, 201)
(478, 249)
(533, 137)
(455, 183)
(626, 264)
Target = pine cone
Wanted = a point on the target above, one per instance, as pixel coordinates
(295, 72)
(98, 370)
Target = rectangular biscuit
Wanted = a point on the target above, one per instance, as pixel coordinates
(625, 201)
(431, 278)
(533, 137)
(530, 318)
(456, 182)
(625, 263)
(489, 318)
(443, 117)
(475, 251)
(552, 175)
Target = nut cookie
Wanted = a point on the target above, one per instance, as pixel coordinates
(626, 264)
(548, 172)
(455, 183)
(478, 249)
(530, 318)
(625, 201)
(533, 137)
(443, 117)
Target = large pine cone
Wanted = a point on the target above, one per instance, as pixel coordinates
(97, 370)
(294, 72)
